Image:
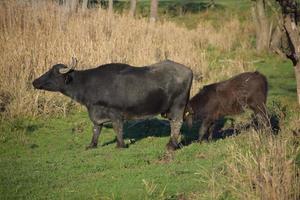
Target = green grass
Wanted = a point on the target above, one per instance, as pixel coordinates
(45, 158)
(224, 9)
(281, 77)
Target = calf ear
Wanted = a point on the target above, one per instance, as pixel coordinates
(68, 79)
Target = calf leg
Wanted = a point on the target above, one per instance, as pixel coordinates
(175, 133)
(204, 131)
(210, 132)
(96, 132)
(118, 128)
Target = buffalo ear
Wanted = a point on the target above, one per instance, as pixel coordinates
(68, 79)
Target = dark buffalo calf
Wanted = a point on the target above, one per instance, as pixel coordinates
(229, 97)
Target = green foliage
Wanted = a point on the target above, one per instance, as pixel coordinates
(45, 158)
(280, 75)
(52, 163)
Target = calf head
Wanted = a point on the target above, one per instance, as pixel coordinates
(56, 78)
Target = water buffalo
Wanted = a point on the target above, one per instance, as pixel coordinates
(116, 92)
(229, 97)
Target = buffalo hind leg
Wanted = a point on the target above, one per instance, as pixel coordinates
(175, 133)
(118, 128)
(96, 132)
(175, 116)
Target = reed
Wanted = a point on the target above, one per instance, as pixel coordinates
(34, 37)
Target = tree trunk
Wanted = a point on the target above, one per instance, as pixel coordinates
(276, 41)
(110, 6)
(261, 25)
(290, 10)
(132, 7)
(61, 2)
(71, 5)
(293, 34)
(153, 10)
(85, 4)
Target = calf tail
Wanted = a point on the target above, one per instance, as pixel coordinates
(188, 112)
(266, 86)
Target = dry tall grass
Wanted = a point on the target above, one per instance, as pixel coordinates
(33, 38)
(265, 168)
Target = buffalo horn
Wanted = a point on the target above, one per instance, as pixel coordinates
(69, 68)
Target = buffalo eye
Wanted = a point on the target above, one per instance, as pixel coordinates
(68, 79)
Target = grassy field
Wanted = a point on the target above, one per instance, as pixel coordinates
(43, 136)
(45, 158)
(48, 160)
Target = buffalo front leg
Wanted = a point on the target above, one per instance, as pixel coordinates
(175, 133)
(96, 133)
(118, 128)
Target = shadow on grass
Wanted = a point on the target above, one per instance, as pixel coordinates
(220, 133)
(137, 130)
(24, 125)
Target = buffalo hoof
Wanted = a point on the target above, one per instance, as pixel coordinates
(171, 147)
(201, 141)
(91, 146)
(204, 141)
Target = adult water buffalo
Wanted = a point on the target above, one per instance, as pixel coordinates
(229, 97)
(117, 92)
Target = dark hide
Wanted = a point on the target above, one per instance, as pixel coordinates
(246, 90)
(117, 92)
